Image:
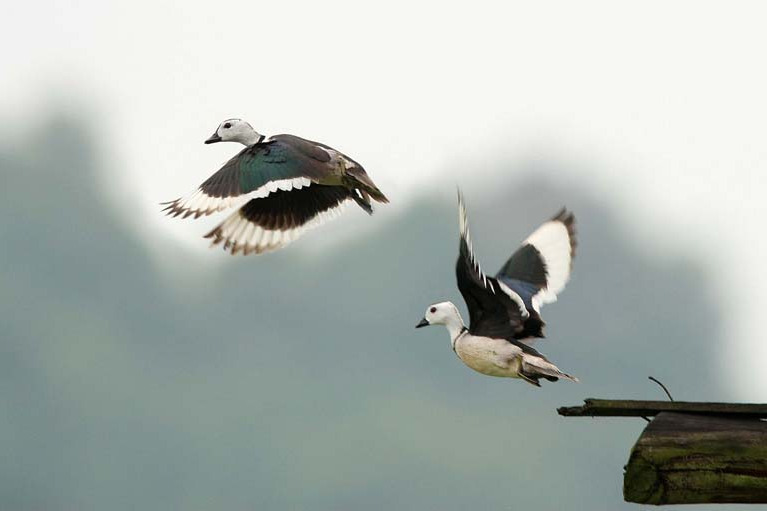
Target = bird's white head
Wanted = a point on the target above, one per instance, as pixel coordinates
(235, 130)
(443, 313)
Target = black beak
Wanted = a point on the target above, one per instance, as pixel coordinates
(213, 139)
(422, 323)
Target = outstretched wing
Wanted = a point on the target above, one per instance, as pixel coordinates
(494, 309)
(540, 268)
(284, 162)
(266, 224)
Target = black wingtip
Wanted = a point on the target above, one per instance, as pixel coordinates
(170, 208)
(564, 216)
(568, 219)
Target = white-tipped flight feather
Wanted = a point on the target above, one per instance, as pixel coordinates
(463, 222)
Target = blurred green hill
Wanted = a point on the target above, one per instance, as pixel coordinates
(288, 383)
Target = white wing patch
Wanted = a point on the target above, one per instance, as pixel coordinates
(198, 203)
(552, 241)
(239, 234)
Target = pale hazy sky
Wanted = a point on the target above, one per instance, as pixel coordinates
(661, 104)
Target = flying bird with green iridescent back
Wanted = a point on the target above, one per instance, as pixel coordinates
(282, 187)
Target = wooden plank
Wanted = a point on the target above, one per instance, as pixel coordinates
(632, 408)
(693, 459)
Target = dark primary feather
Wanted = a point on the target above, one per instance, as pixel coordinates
(568, 218)
(282, 210)
(492, 313)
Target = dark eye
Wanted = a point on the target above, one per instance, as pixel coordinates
(227, 125)
(433, 310)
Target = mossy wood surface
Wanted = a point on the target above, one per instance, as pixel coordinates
(632, 408)
(695, 459)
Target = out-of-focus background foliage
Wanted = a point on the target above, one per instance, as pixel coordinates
(140, 370)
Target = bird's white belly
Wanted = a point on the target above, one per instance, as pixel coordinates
(493, 357)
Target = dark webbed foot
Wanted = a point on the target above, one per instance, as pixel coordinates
(360, 200)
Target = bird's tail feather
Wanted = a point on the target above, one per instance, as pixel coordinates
(362, 181)
(537, 367)
(363, 200)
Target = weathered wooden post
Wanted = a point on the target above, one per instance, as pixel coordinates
(691, 453)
